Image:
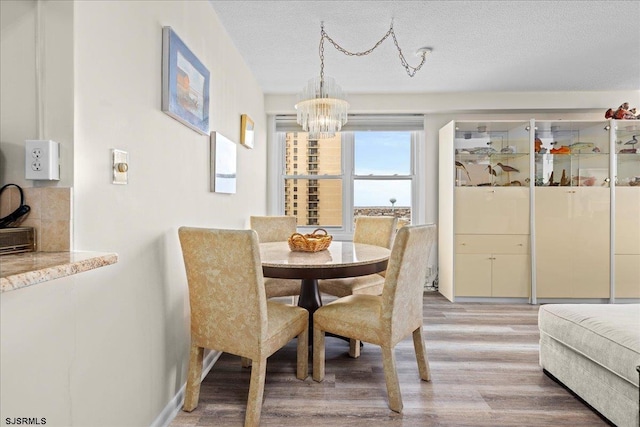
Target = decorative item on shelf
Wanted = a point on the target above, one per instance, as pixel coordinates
(577, 147)
(460, 166)
(564, 180)
(538, 145)
(507, 168)
(551, 182)
(622, 113)
(584, 181)
(322, 110)
(589, 177)
(561, 150)
(317, 241)
(482, 150)
(508, 150)
(633, 141)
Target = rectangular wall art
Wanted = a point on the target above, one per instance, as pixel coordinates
(246, 131)
(185, 84)
(223, 164)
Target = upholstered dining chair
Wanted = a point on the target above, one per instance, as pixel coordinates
(372, 230)
(276, 229)
(387, 319)
(230, 312)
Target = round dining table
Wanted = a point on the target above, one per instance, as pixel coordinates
(341, 259)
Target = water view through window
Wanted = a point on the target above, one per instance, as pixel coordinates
(380, 169)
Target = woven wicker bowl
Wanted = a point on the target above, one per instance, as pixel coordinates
(317, 241)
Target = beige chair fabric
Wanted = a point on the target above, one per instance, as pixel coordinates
(372, 230)
(230, 313)
(387, 319)
(276, 229)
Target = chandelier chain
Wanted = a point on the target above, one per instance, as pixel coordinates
(411, 71)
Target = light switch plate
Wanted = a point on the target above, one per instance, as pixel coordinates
(120, 166)
(42, 160)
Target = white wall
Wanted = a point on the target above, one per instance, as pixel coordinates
(36, 105)
(110, 347)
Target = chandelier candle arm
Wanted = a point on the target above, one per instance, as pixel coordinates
(321, 109)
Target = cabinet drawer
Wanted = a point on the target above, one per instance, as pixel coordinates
(492, 243)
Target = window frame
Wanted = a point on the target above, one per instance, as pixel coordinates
(345, 232)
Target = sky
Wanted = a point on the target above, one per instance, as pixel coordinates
(382, 153)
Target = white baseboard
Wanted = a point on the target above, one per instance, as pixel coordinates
(171, 410)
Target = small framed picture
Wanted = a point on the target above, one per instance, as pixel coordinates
(223, 164)
(185, 84)
(246, 132)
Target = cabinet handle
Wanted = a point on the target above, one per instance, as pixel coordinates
(491, 258)
(463, 244)
(571, 191)
(520, 244)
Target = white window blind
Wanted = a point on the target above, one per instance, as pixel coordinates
(362, 122)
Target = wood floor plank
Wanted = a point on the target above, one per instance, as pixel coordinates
(484, 368)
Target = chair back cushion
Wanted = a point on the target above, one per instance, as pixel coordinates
(226, 291)
(273, 228)
(375, 230)
(405, 278)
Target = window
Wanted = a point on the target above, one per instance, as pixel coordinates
(382, 174)
(354, 173)
(319, 182)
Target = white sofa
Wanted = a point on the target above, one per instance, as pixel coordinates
(594, 350)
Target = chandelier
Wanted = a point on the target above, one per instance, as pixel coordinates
(321, 108)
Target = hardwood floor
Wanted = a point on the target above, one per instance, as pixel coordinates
(484, 372)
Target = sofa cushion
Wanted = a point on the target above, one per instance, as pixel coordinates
(608, 334)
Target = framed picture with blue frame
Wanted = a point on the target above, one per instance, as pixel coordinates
(185, 84)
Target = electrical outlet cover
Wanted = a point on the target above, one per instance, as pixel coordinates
(42, 160)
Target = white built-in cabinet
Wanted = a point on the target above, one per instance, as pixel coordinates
(539, 210)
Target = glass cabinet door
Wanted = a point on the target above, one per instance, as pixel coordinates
(571, 154)
(492, 154)
(627, 146)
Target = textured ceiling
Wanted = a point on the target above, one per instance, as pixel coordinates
(477, 45)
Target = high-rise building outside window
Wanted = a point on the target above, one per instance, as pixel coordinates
(351, 174)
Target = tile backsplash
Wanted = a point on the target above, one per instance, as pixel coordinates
(50, 214)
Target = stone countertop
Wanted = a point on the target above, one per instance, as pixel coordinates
(339, 254)
(21, 270)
